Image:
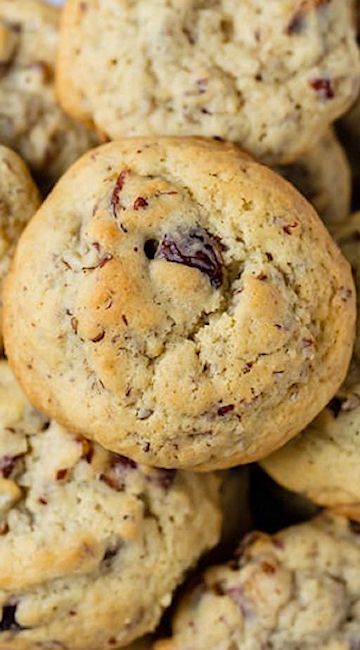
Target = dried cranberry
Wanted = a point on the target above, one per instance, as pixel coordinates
(115, 197)
(196, 249)
(165, 478)
(123, 461)
(8, 620)
(107, 257)
(61, 474)
(99, 337)
(115, 475)
(223, 410)
(140, 203)
(87, 448)
(296, 24)
(7, 464)
(324, 88)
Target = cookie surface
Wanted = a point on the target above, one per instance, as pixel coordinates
(31, 122)
(91, 545)
(321, 462)
(323, 176)
(270, 76)
(297, 589)
(179, 303)
(19, 200)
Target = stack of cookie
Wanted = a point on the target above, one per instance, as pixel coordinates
(172, 312)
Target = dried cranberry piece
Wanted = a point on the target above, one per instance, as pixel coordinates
(223, 410)
(8, 620)
(324, 88)
(7, 464)
(123, 461)
(119, 466)
(115, 197)
(165, 478)
(87, 448)
(140, 203)
(197, 249)
(296, 24)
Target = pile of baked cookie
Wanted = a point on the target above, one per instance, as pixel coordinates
(180, 349)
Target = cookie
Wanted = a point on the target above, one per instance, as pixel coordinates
(92, 545)
(19, 200)
(323, 176)
(321, 462)
(297, 589)
(31, 122)
(179, 303)
(271, 76)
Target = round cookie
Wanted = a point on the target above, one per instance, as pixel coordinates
(271, 76)
(31, 122)
(321, 462)
(19, 200)
(91, 545)
(179, 303)
(323, 176)
(297, 589)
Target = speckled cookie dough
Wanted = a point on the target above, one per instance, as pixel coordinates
(31, 122)
(321, 462)
(19, 200)
(270, 76)
(91, 544)
(323, 176)
(299, 589)
(179, 303)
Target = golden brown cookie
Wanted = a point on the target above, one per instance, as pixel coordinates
(179, 303)
(271, 76)
(92, 545)
(321, 462)
(297, 589)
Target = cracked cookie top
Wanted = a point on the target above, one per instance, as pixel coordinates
(270, 75)
(179, 303)
(31, 121)
(92, 545)
(298, 589)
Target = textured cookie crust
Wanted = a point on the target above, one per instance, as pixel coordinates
(91, 545)
(297, 590)
(323, 176)
(322, 462)
(19, 200)
(180, 303)
(31, 122)
(269, 75)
